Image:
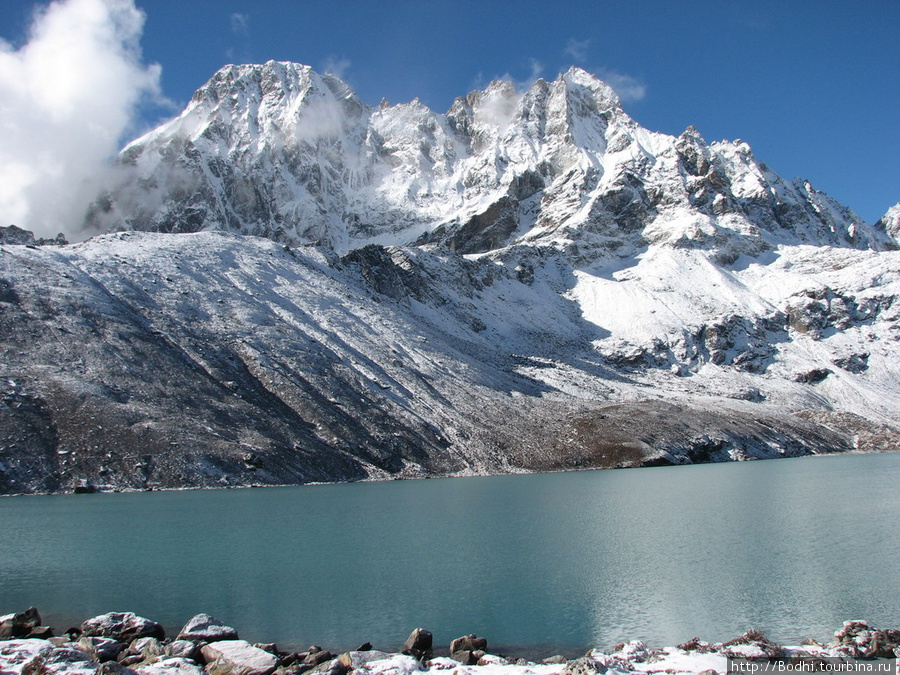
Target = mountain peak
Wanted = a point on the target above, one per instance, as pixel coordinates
(605, 94)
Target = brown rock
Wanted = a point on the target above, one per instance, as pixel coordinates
(468, 643)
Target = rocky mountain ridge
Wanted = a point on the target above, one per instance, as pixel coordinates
(328, 291)
(280, 151)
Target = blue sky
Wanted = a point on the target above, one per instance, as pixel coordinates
(813, 87)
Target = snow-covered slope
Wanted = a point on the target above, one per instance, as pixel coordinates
(140, 359)
(529, 282)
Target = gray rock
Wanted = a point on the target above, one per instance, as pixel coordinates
(148, 647)
(128, 659)
(237, 657)
(581, 666)
(184, 649)
(812, 376)
(358, 659)
(316, 655)
(122, 626)
(100, 649)
(419, 643)
(206, 628)
(20, 624)
(171, 666)
(16, 235)
(66, 660)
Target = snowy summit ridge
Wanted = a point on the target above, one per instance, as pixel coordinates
(280, 151)
(531, 281)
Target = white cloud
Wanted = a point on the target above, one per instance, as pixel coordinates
(240, 24)
(628, 88)
(577, 49)
(335, 66)
(67, 96)
(537, 69)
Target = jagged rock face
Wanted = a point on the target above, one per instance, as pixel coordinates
(280, 151)
(890, 222)
(16, 235)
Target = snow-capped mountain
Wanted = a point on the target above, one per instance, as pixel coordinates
(530, 281)
(280, 151)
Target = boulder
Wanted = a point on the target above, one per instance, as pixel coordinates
(183, 649)
(16, 654)
(206, 628)
(19, 625)
(100, 649)
(148, 648)
(336, 666)
(237, 657)
(468, 643)
(359, 659)
(581, 666)
(171, 666)
(467, 657)
(66, 659)
(316, 655)
(418, 644)
(128, 659)
(122, 626)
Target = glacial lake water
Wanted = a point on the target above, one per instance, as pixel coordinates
(536, 563)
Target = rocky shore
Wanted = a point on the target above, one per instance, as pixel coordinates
(122, 643)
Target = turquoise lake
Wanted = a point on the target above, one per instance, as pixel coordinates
(538, 564)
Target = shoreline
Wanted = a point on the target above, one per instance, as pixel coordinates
(111, 490)
(123, 643)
